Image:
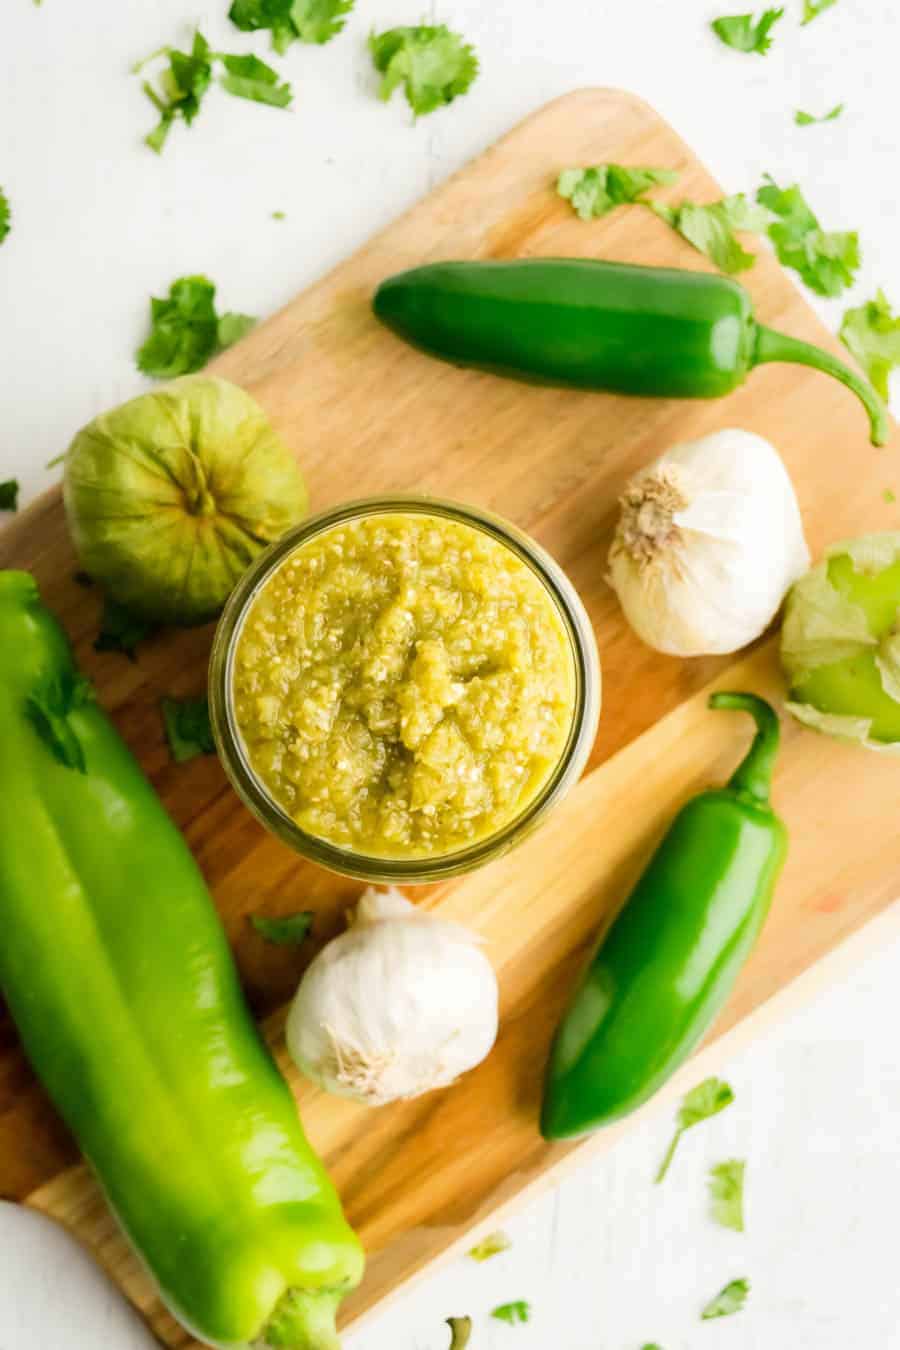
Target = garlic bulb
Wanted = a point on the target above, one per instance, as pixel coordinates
(709, 541)
(401, 1003)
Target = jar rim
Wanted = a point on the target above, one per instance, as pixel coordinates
(372, 867)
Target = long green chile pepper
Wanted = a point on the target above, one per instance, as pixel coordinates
(671, 957)
(122, 985)
(660, 332)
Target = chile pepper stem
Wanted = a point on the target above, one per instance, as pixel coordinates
(754, 774)
(774, 346)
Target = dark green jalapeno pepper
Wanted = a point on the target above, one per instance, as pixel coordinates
(672, 955)
(120, 980)
(656, 331)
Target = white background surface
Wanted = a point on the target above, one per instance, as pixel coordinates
(608, 1261)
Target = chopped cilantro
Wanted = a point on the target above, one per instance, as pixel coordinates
(711, 228)
(121, 631)
(292, 20)
(434, 65)
(278, 215)
(889, 496)
(743, 34)
(460, 1332)
(186, 721)
(185, 81)
(726, 1193)
(805, 119)
(652, 1346)
(50, 707)
(186, 331)
(872, 333)
(706, 1099)
(813, 8)
(492, 1245)
(728, 1301)
(595, 191)
(519, 1311)
(5, 215)
(9, 495)
(248, 77)
(826, 260)
(288, 931)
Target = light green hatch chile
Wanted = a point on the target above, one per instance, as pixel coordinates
(171, 496)
(840, 646)
(118, 975)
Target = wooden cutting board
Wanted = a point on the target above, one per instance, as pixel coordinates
(366, 414)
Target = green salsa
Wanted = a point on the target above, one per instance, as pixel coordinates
(404, 685)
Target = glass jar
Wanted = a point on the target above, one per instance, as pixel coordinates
(405, 870)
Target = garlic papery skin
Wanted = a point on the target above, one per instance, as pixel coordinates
(399, 1004)
(709, 541)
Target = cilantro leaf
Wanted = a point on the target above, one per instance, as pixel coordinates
(872, 333)
(519, 1311)
(50, 707)
(492, 1245)
(726, 1193)
(711, 228)
(595, 191)
(186, 331)
(728, 1301)
(290, 21)
(9, 495)
(740, 32)
(813, 8)
(288, 931)
(186, 721)
(5, 215)
(826, 260)
(706, 1099)
(248, 77)
(121, 631)
(434, 65)
(805, 119)
(460, 1332)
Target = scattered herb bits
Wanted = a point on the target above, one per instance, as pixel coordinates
(813, 8)
(5, 216)
(122, 631)
(433, 65)
(705, 1100)
(871, 333)
(492, 1245)
(50, 707)
(291, 21)
(711, 228)
(188, 731)
(889, 496)
(9, 495)
(826, 260)
(728, 1301)
(726, 1194)
(745, 34)
(805, 119)
(518, 1311)
(596, 190)
(287, 931)
(248, 77)
(186, 331)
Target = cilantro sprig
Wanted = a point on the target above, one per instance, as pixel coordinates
(596, 190)
(183, 83)
(705, 1100)
(291, 21)
(187, 727)
(726, 1193)
(728, 1301)
(744, 34)
(711, 228)
(433, 65)
(186, 330)
(871, 332)
(827, 260)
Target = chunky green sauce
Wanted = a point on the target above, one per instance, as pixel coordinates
(404, 685)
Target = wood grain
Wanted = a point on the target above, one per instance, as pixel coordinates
(366, 414)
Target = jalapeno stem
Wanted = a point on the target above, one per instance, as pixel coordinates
(774, 346)
(754, 774)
